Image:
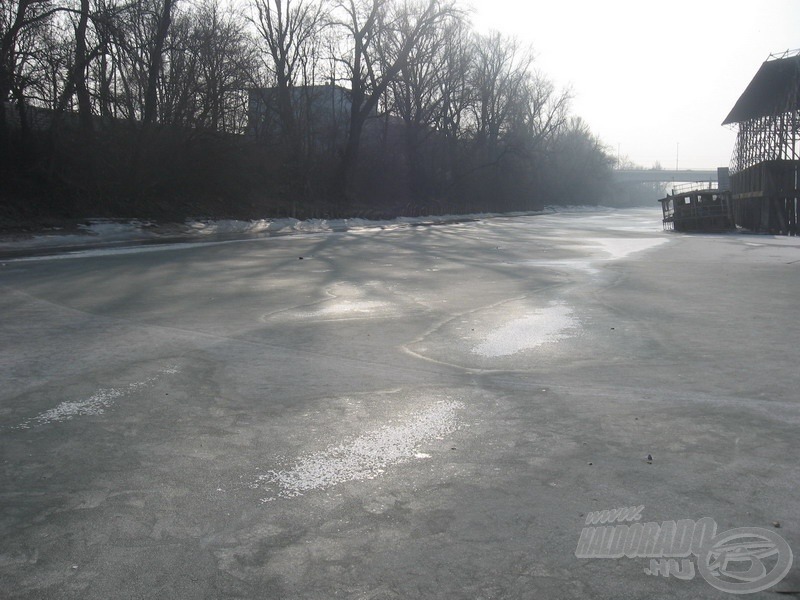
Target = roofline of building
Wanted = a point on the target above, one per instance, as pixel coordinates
(770, 91)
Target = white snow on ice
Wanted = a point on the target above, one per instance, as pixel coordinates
(547, 325)
(367, 456)
(96, 404)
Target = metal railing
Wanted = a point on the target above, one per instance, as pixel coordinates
(698, 186)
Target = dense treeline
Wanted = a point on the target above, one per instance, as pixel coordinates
(141, 108)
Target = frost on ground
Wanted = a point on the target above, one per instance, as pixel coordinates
(96, 404)
(367, 456)
(548, 325)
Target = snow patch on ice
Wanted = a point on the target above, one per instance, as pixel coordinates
(366, 457)
(546, 326)
(96, 404)
(232, 226)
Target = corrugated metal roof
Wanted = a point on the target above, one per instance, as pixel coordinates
(774, 90)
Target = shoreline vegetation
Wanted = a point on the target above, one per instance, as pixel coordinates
(309, 109)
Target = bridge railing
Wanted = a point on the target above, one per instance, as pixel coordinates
(663, 175)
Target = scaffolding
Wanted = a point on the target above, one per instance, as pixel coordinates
(765, 166)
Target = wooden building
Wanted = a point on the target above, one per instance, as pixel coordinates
(766, 162)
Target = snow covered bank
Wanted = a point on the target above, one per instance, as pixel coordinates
(99, 232)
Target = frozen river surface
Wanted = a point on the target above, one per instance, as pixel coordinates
(401, 412)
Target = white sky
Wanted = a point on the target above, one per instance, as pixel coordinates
(654, 80)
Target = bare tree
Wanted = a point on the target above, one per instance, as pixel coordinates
(44, 60)
(418, 97)
(455, 92)
(287, 28)
(76, 81)
(18, 18)
(226, 60)
(381, 36)
(164, 17)
(579, 165)
(179, 81)
(499, 74)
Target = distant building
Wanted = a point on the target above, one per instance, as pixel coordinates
(765, 168)
(321, 114)
(42, 119)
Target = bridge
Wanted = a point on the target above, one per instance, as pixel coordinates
(663, 175)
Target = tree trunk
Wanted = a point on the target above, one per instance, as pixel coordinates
(79, 74)
(156, 60)
(349, 164)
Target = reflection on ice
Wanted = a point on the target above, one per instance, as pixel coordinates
(611, 249)
(580, 264)
(623, 247)
(348, 300)
(546, 326)
(347, 308)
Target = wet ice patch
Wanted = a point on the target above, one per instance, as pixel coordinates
(546, 326)
(366, 457)
(96, 404)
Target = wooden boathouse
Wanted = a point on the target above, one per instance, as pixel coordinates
(696, 207)
(761, 190)
(765, 167)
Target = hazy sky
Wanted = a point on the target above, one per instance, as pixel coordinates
(652, 79)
